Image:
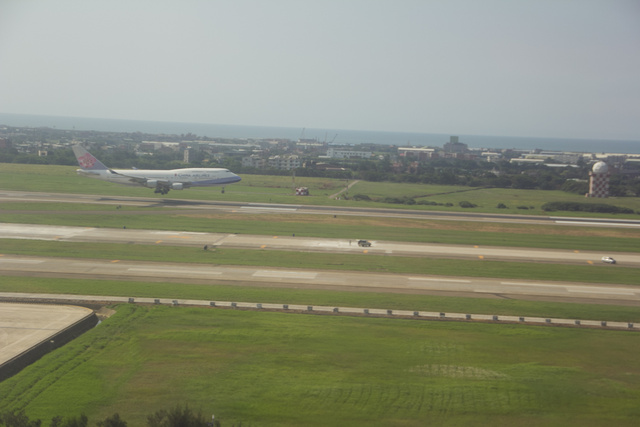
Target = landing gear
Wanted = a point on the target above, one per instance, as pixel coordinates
(161, 190)
(222, 190)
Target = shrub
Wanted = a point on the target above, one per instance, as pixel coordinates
(501, 206)
(584, 207)
(466, 204)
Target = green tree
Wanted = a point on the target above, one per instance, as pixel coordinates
(177, 417)
(112, 421)
(20, 419)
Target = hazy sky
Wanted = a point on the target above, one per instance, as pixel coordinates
(556, 68)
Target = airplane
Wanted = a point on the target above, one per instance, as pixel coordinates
(161, 180)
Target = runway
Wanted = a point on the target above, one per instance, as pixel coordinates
(246, 207)
(306, 244)
(299, 278)
(314, 279)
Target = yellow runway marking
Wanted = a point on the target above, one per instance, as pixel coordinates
(158, 241)
(275, 237)
(116, 260)
(481, 256)
(590, 262)
(263, 246)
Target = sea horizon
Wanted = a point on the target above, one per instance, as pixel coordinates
(335, 136)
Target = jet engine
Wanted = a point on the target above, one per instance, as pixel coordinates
(151, 183)
(177, 186)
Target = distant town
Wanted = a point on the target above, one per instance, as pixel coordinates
(454, 163)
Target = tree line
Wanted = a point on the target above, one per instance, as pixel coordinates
(179, 416)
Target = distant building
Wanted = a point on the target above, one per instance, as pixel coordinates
(276, 162)
(254, 161)
(284, 162)
(335, 153)
(420, 154)
(454, 146)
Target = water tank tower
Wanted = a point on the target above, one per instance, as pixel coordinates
(599, 180)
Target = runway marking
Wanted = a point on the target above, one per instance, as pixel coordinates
(285, 274)
(158, 241)
(532, 284)
(604, 291)
(261, 208)
(116, 260)
(601, 224)
(263, 246)
(481, 256)
(169, 270)
(21, 261)
(180, 237)
(429, 279)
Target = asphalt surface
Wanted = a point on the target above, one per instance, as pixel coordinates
(313, 279)
(167, 202)
(305, 244)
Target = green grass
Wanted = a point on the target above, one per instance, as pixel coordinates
(259, 368)
(327, 261)
(278, 189)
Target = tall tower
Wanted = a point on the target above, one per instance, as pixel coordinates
(599, 180)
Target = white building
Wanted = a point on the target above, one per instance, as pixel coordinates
(334, 153)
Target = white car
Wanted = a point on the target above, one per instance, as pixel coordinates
(608, 260)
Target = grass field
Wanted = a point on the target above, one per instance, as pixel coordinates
(279, 189)
(268, 369)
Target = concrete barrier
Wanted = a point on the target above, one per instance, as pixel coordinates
(537, 321)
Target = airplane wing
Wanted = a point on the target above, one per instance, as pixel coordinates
(161, 185)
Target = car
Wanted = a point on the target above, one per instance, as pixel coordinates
(608, 260)
(364, 243)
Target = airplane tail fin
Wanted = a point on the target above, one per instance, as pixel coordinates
(86, 160)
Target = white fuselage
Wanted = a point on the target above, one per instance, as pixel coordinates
(192, 177)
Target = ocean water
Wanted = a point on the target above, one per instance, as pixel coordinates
(337, 136)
